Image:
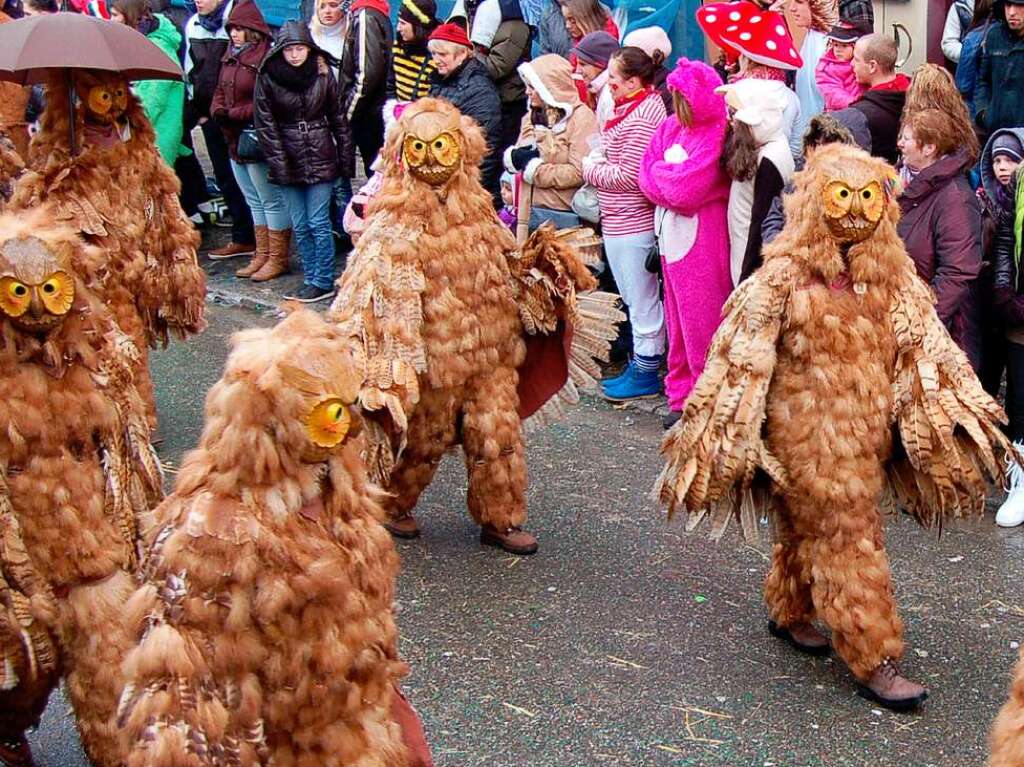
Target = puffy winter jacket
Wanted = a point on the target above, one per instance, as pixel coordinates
(970, 59)
(999, 93)
(882, 107)
(1007, 249)
(304, 133)
(557, 172)
(941, 228)
(366, 60)
(509, 48)
(205, 49)
(232, 105)
(164, 100)
(471, 90)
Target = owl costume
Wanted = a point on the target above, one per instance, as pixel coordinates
(76, 473)
(120, 195)
(1007, 736)
(267, 632)
(831, 390)
(463, 334)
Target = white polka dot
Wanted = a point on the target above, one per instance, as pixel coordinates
(770, 45)
(780, 30)
(754, 19)
(731, 28)
(711, 18)
(792, 53)
(735, 16)
(745, 35)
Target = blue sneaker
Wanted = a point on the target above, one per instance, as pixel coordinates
(637, 385)
(618, 379)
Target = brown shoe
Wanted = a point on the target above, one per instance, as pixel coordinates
(887, 687)
(14, 752)
(277, 257)
(803, 637)
(231, 250)
(403, 527)
(259, 258)
(514, 540)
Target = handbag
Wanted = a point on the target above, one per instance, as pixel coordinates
(652, 262)
(249, 149)
(585, 204)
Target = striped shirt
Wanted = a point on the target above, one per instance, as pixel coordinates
(624, 209)
(412, 74)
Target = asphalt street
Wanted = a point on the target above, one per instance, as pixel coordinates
(625, 641)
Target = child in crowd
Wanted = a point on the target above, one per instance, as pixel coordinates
(834, 75)
(508, 215)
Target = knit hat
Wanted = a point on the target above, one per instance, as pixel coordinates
(844, 32)
(596, 49)
(649, 40)
(508, 178)
(421, 12)
(1007, 145)
(452, 33)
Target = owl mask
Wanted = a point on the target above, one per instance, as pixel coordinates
(36, 290)
(105, 97)
(432, 150)
(851, 211)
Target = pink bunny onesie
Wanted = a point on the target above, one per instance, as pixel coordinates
(680, 174)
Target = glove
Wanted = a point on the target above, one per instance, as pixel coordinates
(522, 155)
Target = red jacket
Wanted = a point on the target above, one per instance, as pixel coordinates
(232, 105)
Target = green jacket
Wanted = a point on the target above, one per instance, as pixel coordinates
(164, 100)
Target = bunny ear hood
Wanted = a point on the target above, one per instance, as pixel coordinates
(696, 82)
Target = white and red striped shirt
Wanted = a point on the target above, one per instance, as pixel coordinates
(624, 209)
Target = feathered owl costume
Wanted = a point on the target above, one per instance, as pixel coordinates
(1007, 736)
(267, 629)
(831, 387)
(463, 334)
(76, 474)
(120, 195)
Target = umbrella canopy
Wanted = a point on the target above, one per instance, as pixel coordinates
(32, 47)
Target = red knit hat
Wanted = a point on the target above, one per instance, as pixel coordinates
(453, 33)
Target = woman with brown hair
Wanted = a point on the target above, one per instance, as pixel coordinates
(585, 16)
(932, 87)
(941, 221)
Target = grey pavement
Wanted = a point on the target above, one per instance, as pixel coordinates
(625, 641)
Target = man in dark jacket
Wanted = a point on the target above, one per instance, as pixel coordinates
(207, 42)
(502, 39)
(881, 106)
(999, 92)
(463, 81)
(365, 65)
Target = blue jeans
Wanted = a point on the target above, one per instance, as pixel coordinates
(310, 208)
(265, 200)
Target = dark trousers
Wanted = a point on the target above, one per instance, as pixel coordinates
(368, 135)
(241, 218)
(1015, 390)
(190, 174)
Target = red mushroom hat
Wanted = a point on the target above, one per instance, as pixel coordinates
(743, 27)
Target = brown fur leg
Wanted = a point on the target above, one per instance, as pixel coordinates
(1007, 737)
(431, 433)
(787, 589)
(492, 439)
(98, 639)
(852, 588)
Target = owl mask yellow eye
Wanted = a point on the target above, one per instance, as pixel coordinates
(328, 423)
(58, 293)
(99, 100)
(15, 297)
(444, 150)
(433, 161)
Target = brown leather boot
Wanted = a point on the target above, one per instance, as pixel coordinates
(232, 250)
(803, 637)
(514, 540)
(887, 687)
(260, 256)
(277, 259)
(403, 527)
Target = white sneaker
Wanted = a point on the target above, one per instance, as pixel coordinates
(1011, 513)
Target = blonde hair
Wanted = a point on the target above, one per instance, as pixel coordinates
(932, 88)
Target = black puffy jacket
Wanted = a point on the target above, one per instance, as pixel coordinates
(1009, 283)
(304, 133)
(471, 90)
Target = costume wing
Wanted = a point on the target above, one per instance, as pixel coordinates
(379, 305)
(174, 710)
(27, 651)
(569, 325)
(947, 426)
(717, 446)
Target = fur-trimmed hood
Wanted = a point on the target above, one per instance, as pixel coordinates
(551, 76)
